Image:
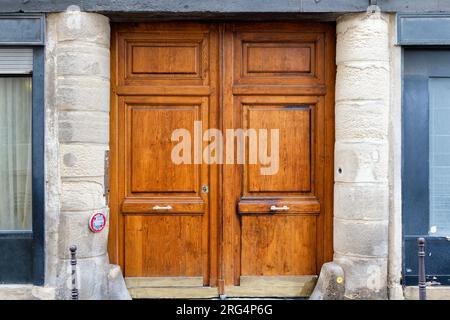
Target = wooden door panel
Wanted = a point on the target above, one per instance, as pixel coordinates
(152, 170)
(281, 57)
(277, 225)
(294, 184)
(158, 246)
(164, 55)
(278, 212)
(287, 58)
(278, 245)
(157, 58)
(163, 222)
(165, 211)
(293, 173)
(152, 179)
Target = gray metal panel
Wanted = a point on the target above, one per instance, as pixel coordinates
(224, 6)
(16, 60)
(334, 5)
(414, 6)
(15, 262)
(38, 182)
(193, 6)
(432, 29)
(22, 29)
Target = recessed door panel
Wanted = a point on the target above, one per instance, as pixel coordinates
(285, 58)
(278, 245)
(282, 57)
(284, 149)
(159, 54)
(153, 59)
(154, 182)
(284, 176)
(152, 170)
(163, 245)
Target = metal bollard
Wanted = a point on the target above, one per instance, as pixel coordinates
(73, 262)
(422, 279)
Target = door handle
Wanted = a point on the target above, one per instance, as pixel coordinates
(276, 208)
(162, 208)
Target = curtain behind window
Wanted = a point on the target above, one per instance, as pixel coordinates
(15, 153)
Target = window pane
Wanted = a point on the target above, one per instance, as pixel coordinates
(15, 153)
(439, 156)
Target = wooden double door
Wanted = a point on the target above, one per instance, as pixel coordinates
(183, 224)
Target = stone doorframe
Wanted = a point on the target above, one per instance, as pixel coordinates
(367, 154)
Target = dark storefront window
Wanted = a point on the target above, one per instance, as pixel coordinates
(426, 162)
(22, 149)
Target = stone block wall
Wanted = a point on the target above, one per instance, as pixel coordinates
(77, 136)
(361, 193)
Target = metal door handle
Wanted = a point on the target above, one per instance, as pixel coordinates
(275, 208)
(162, 208)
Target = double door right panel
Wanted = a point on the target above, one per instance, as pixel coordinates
(277, 204)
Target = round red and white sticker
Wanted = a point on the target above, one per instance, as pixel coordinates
(97, 222)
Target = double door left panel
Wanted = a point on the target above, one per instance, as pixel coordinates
(164, 219)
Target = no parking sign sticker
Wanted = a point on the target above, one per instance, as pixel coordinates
(97, 222)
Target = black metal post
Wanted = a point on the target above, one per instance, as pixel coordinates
(73, 262)
(422, 280)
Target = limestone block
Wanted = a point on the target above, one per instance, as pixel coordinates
(361, 238)
(74, 230)
(15, 292)
(362, 37)
(78, 195)
(395, 290)
(43, 293)
(365, 278)
(83, 94)
(433, 293)
(92, 278)
(82, 60)
(82, 160)
(84, 127)
(116, 285)
(331, 283)
(78, 57)
(362, 201)
(86, 27)
(362, 80)
(361, 120)
(361, 162)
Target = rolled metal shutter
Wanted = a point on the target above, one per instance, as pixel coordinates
(16, 60)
